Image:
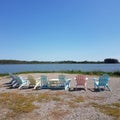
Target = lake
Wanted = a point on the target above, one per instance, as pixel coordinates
(13, 68)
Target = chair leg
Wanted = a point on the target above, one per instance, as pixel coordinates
(108, 88)
(95, 86)
(85, 87)
(66, 87)
(99, 88)
(20, 87)
(76, 88)
(37, 84)
(24, 84)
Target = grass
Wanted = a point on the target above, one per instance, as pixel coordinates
(95, 97)
(116, 73)
(72, 104)
(47, 96)
(17, 102)
(1, 75)
(58, 97)
(109, 109)
(58, 114)
(78, 99)
(23, 103)
(116, 104)
(74, 101)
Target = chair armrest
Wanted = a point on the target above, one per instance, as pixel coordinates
(24, 80)
(37, 80)
(68, 81)
(95, 79)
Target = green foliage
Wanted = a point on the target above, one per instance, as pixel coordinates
(116, 73)
(1, 75)
(111, 60)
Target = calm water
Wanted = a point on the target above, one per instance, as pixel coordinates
(57, 67)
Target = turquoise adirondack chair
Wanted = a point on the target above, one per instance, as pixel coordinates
(103, 81)
(22, 82)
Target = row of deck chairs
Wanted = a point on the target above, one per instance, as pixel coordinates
(43, 82)
(20, 83)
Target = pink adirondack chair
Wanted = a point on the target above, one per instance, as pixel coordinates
(81, 80)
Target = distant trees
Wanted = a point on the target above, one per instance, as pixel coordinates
(107, 60)
(12, 62)
(111, 60)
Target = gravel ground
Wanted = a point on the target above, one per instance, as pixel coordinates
(61, 110)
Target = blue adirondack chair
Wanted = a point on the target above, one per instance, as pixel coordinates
(102, 82)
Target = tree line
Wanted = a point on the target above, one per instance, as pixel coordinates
(107, 60)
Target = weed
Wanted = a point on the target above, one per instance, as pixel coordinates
(17, 103)
(58, 114)
(109, 109)
(116, 104)
(78, 99)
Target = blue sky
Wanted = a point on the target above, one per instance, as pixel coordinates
(53, 30)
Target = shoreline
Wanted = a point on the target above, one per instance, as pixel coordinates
(114, 74)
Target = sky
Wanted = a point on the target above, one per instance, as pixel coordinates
(58, 30)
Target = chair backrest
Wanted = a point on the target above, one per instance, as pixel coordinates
(12, 76)
(19, 80)
(31, 80)
(44, 81)
(103, 80)
(80, 79)
(106, 76)
(62, 79)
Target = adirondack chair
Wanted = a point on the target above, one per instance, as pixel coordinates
(31, 82)
(102, 82)
(81, 80)
(63, 82)
(12, 80)
(44, 81)
(19, 81)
